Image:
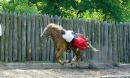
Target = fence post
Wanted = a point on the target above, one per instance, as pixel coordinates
(24, 25)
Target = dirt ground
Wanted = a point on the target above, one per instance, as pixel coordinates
(36, 70)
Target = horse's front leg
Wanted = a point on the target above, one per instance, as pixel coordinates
(58, 55)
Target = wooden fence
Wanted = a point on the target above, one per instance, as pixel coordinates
(21, 39)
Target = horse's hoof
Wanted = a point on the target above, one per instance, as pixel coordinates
(62, 63)
(67, 61)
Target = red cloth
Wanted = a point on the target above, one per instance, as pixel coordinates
(79, 42)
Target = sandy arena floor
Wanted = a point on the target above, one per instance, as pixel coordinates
(36, 70)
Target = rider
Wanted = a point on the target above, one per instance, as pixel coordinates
(77, 41)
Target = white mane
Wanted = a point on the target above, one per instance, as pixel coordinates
(54, 26)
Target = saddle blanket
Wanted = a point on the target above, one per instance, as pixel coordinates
(77, 41)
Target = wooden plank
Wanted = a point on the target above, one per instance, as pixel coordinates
(19, 36)
(118, 42)
(29, 50)
(6, 37)
(106, 42)
(24, 25)
(97, 41)
(125, 42)
(128, 42)
(10, 49)
(121, 42)
(37, 36)
(101, 42)
(33, 39)
(3, 39)
(110, 43)
(15, 38)
(114, 41)
(52, 19)
(56, 19)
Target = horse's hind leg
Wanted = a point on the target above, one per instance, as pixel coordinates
(77, 56)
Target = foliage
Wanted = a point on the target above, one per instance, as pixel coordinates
(114, 10)
(19, 6)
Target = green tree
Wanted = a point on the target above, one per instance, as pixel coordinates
(19, 6)
(117, 10)
(114, 10)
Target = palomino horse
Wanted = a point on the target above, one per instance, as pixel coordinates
(54, 32)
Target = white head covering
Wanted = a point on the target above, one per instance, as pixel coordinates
(68, 36)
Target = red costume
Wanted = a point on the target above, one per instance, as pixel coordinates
(79, 42)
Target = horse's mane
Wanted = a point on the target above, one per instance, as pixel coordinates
(52, 25)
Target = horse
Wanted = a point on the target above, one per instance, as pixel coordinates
(54, 31)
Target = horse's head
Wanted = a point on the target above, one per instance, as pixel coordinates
(51, 29)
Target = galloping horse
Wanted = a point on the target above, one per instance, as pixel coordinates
(54, 32)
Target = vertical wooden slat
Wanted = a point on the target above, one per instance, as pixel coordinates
(127, 36)
(19, 36)
(37, 36)
(24, 37)
(101, 42)
(6, 38)
(15, 38)
(3, 39)
(33, 39)
(95, 41)
(98, 41)
(120, 42)
(109, 44)
(105, 41)
(125, 42)
(10, 38)
(114, 41)
(29, 26)
(128, 43)
(93, 34)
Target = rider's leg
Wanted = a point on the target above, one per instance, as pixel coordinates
(90, 46)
